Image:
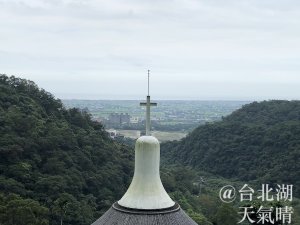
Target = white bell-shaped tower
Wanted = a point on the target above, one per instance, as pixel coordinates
(146, 190)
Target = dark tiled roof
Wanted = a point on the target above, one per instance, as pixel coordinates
(118, 215)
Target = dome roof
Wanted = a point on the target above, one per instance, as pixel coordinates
(119, 215)
(146, 201)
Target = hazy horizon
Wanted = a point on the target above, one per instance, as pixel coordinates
(201, 100)
(165, 99)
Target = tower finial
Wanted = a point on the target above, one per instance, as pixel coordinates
(148, 81)
(148, 104)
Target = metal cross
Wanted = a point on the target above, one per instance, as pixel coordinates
(148, 104)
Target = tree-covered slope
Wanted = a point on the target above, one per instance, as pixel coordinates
(58, 164)
(54, 160)
(260, 141)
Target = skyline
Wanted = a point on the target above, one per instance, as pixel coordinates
(196, 50)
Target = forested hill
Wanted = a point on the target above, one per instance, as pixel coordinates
(54, 160)
(260, 141)
(58, 164)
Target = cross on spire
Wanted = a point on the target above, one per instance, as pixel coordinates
(148, 104)
(148, 80)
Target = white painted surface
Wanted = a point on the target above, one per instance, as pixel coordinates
(146, 190)
(148, 104)
(148, 121)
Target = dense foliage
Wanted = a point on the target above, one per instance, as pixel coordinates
(59, 166)
(260, 141)
(57, 160)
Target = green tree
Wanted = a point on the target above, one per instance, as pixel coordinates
(16, 210)
(226, 215)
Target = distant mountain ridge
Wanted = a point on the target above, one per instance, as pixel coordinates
(260, 141)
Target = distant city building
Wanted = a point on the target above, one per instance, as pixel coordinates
(85, 110)
(99, 119)
(112, 133)
(134, 119)
(119, 118)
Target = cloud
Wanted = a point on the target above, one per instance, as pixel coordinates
(237, 42)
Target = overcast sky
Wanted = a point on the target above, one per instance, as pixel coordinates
(195, 49)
